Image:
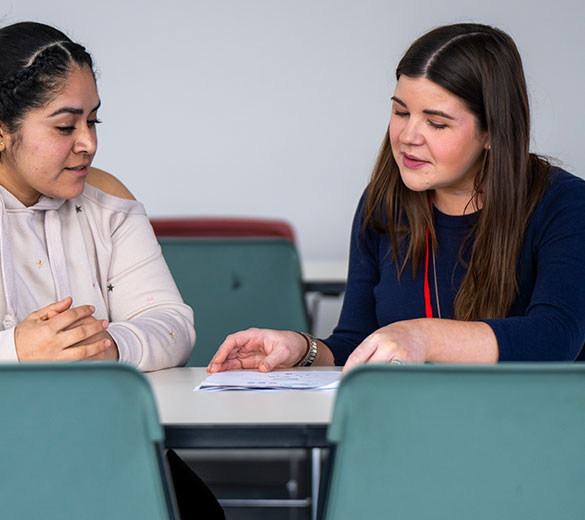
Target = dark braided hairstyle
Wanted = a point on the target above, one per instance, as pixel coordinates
(35, 60)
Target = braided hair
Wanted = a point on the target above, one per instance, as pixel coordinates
(34, 63)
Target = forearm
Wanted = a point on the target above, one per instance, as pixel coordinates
(152, 327)
(549, 335)
(158, 339)
(451, 341)
(428, 339)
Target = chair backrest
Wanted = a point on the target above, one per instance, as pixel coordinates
(234, 227)
(233, 284)
(80, 441)
(459, 442)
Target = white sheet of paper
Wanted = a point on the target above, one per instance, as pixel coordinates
(280, 380)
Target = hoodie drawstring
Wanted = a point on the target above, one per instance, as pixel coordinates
(55, 252)
(7, 269)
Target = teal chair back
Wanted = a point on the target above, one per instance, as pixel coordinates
(459, 442)
(80, 441)
(234, 284)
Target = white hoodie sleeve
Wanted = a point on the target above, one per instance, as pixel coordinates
(152, 327)
(7, 346)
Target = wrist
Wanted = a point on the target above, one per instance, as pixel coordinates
(310, 352)
(113, 348)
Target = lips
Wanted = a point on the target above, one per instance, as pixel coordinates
(411, 161)
(79, 169)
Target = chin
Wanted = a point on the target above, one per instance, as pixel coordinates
(416, 182)
(71, 192)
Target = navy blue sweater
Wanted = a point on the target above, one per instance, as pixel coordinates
(546, 321)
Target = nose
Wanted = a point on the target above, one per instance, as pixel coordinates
(411, 133)
(86, 141)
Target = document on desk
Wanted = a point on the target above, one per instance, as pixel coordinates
(279, 380)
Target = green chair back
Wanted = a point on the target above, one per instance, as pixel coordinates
(459, 442)
(234, 284)
(80, 441)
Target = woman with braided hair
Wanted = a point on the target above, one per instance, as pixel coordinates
(82, 275)
(466, 247)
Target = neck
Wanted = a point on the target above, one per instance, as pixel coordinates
(28, 197)
(459, 203)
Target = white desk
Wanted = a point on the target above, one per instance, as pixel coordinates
(239, 419)
(325, 276)
(324, 270)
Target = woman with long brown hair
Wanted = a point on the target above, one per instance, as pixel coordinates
(465, 247)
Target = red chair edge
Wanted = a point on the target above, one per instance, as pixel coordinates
(233, 227)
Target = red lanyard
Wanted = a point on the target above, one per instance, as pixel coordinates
(428, 308)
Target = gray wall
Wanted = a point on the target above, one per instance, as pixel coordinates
(277, 108)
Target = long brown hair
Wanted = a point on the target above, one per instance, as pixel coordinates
(480, 65)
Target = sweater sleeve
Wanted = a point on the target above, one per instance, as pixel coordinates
(7, 346)
(150, 324)
(552, 328)
(358, 314)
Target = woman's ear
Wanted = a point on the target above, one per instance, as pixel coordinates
(484, 138)
(4, 138)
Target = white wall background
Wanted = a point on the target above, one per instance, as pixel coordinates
(277, 108)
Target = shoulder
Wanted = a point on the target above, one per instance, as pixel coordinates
(562, 188)
(109, 184)
(562, 179)
(562, 207)
(365, 239)
(104, 193)
(358, 217)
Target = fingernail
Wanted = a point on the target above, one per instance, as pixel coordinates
(92, 308)
(105, 324)
(107, 343)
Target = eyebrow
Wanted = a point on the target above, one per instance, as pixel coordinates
(71, 110)
(426, 111)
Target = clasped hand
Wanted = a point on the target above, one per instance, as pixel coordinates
(59, 332)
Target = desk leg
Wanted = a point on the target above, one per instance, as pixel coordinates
(315, 480)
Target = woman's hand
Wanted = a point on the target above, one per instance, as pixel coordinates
(111, 353)
(263, 349)
(402, 341)
(428, 339)
(58, 332)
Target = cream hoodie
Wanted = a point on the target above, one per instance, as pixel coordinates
(101, 251)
